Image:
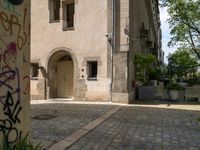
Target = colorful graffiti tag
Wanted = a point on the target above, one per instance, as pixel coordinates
(14, 79)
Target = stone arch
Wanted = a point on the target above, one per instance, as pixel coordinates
(54, 56)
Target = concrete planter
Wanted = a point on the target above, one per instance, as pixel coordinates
(146, 93)
(155, 82)
(173, 95)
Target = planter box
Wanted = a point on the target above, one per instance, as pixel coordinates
(146, 93)
(160, 92)
(175, 95)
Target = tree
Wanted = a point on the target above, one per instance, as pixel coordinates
(144, 65)
(184, 22)
(181, 63)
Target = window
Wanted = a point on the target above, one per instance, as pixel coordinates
(34, 70)
(54, 10)
(92, 70)
(68, 15)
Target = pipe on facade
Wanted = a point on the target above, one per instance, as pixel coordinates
(113, 43)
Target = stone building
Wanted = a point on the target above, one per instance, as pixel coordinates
(84, 49)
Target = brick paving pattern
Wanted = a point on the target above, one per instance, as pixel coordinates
(145, 128)
(66, 119)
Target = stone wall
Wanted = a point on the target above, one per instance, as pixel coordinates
(14, 69)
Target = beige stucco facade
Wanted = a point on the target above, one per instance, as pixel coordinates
(88, 41)
(14, 70)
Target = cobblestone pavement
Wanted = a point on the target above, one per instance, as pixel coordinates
(53, 122)
(170, 127)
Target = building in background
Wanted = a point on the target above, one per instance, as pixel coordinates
(84, 49)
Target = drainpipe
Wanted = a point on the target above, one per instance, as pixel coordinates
(113, 43)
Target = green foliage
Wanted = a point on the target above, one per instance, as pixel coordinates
(184, 22)
(5, 145)
(174, 86)
(144, 65)
(182, 64)
(21, 144)
(155, 74)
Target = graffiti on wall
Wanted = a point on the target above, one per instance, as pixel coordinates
(10, 92)
(14, 83)
(10, 22)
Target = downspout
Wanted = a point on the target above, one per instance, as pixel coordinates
(113, 44)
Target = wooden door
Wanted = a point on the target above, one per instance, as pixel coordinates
(65, 79)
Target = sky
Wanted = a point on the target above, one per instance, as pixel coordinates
(165, 33)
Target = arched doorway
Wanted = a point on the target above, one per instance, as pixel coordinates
(61, 75)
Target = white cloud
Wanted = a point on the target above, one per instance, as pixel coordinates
(164, 14)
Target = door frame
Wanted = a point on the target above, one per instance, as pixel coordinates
(56, 54)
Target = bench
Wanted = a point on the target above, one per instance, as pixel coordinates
(192, 92)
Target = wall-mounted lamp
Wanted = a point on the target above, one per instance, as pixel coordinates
(126, 30)
(109, 37)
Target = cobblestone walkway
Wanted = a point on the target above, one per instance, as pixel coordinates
(53, 122)
(146, 128)
(133, 127)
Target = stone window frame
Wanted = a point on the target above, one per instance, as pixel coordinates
(51, 12)
(92, 71)
(64, 5)
(92, 59)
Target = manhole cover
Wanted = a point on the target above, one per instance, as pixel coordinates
(44, 117)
